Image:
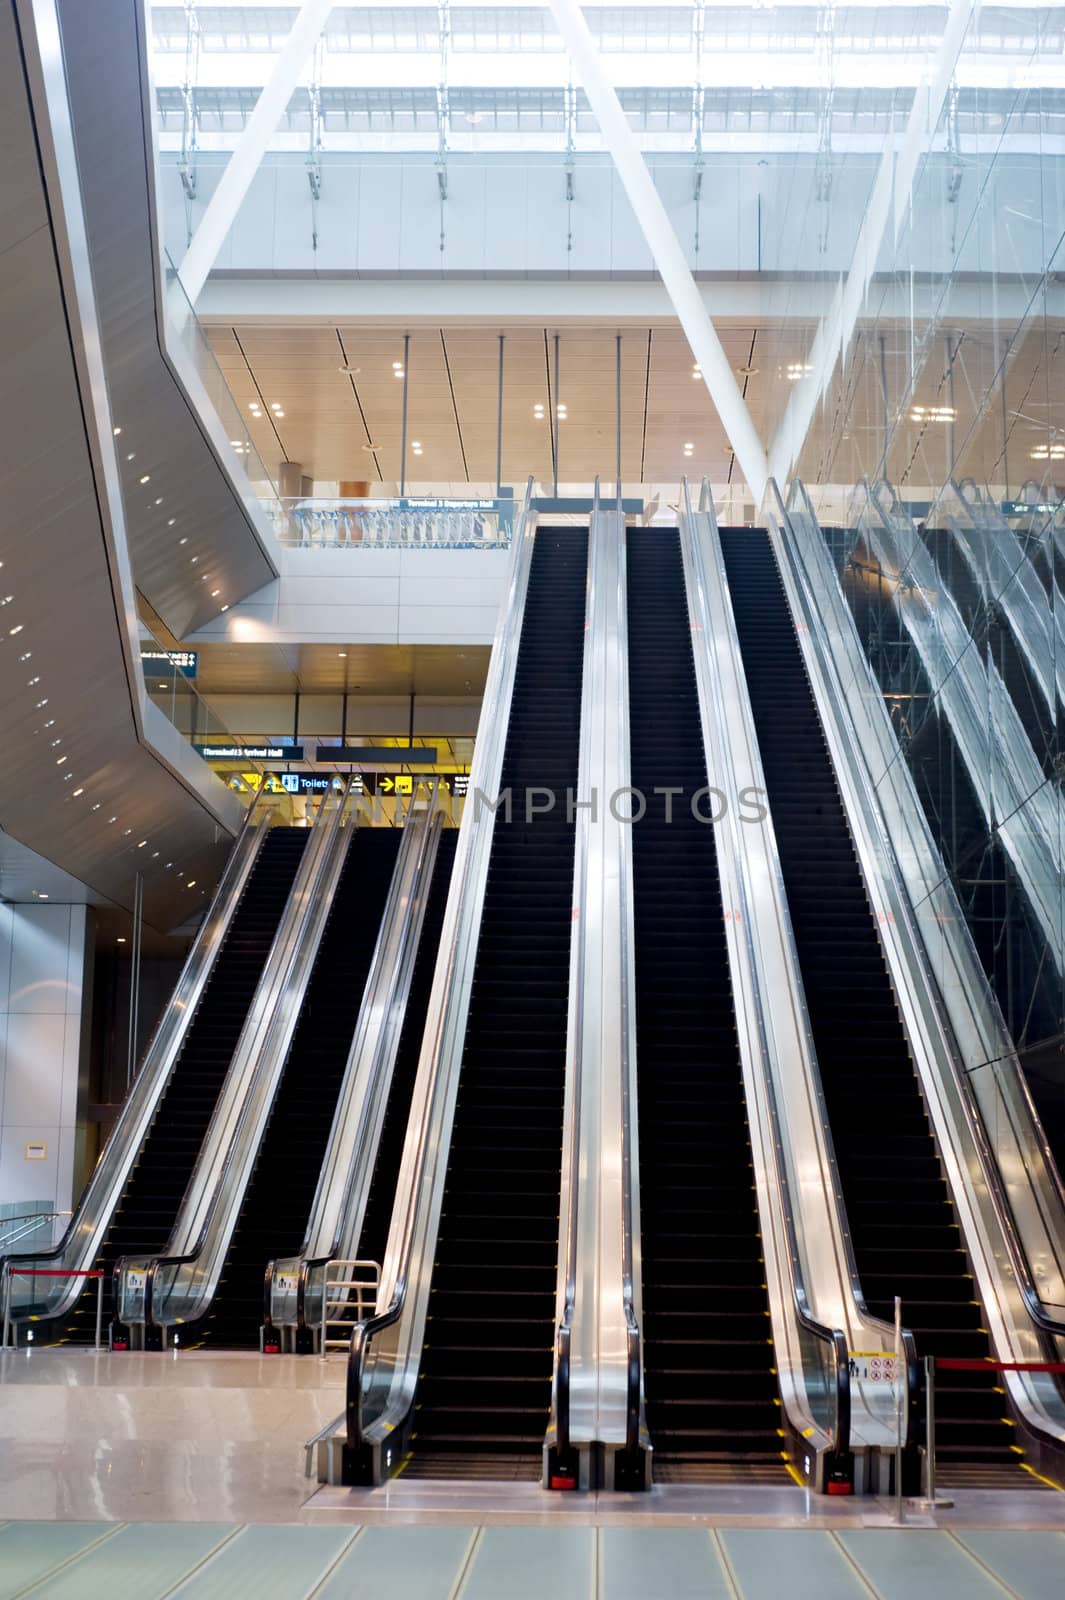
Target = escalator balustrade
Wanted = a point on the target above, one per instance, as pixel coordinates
(904, 1230)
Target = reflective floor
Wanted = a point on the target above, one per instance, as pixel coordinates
(158, 1475)
(147, 1561)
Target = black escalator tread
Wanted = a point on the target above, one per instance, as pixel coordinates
(277, 1203)
(902, 1221)
(382, 1193)
(146, 1213)
(711, 1393)
(485, 1388)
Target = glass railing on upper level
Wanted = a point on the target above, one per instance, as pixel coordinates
(187, 331)
(407, 522)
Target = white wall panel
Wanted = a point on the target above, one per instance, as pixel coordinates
(43, 1048)
(506, 199)
(380, 201)
(372, 597)
(254, 231)
(466, 220)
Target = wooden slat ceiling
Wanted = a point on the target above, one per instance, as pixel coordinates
(330, 417)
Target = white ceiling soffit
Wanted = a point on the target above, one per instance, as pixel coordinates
(180, 503)
(79, 787)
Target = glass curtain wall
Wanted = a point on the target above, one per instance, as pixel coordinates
(936, 460)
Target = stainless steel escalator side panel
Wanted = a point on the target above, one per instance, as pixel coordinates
(385, 1352)
(335, 1223)
(1010, 1204)
(82, 1241)
(597, 1381)
(178, 1286)
(812, 1284)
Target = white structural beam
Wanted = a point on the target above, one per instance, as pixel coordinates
(664, 246)
(891, 191)
(243, 164)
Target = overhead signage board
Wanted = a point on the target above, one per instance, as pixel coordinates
(386, 784)
(186, 661)
(1027, 508)
(250, 752)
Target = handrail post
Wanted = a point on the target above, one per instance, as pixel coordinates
(7, 1304)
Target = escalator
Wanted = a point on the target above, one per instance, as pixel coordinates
(711, 1392)
(378, 1214)
(904, 1230)
(997, 642)
(277, 1202)
(145, 1215)
(484, 1389)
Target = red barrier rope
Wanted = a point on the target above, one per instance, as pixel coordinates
(975, 1364)
(51, 1272)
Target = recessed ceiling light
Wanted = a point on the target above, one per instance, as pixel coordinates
(60, 760)
(17, 628)
(225, 608)
(142, 844)
(96, 807)
(171, 521)
(191, 884)
(126, 832)
(275, 405)
(131, 456)
(397, 366)
(159, 501)
(215, 593)
(32, 681)
(77, 792)
(116, 432)
(342, 653)
(40, 893)
(110, 820)
(185, 540)
(25, 656)
(416, 444)
(193, 560)
(147, 478)
(120, 939)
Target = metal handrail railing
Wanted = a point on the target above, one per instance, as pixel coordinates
(81, 1241)
(415, 1219)
(603, 768)
(833, 1339)
(328, 823)
(363, 1099)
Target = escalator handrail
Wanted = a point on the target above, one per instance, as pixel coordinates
(85, 1232)
(834, 1338)
(634, 1409)
(559, 1430)
(560, 1421)
(1050, 1326)
(289, 935)
(445, 1025)
(377, 1034)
